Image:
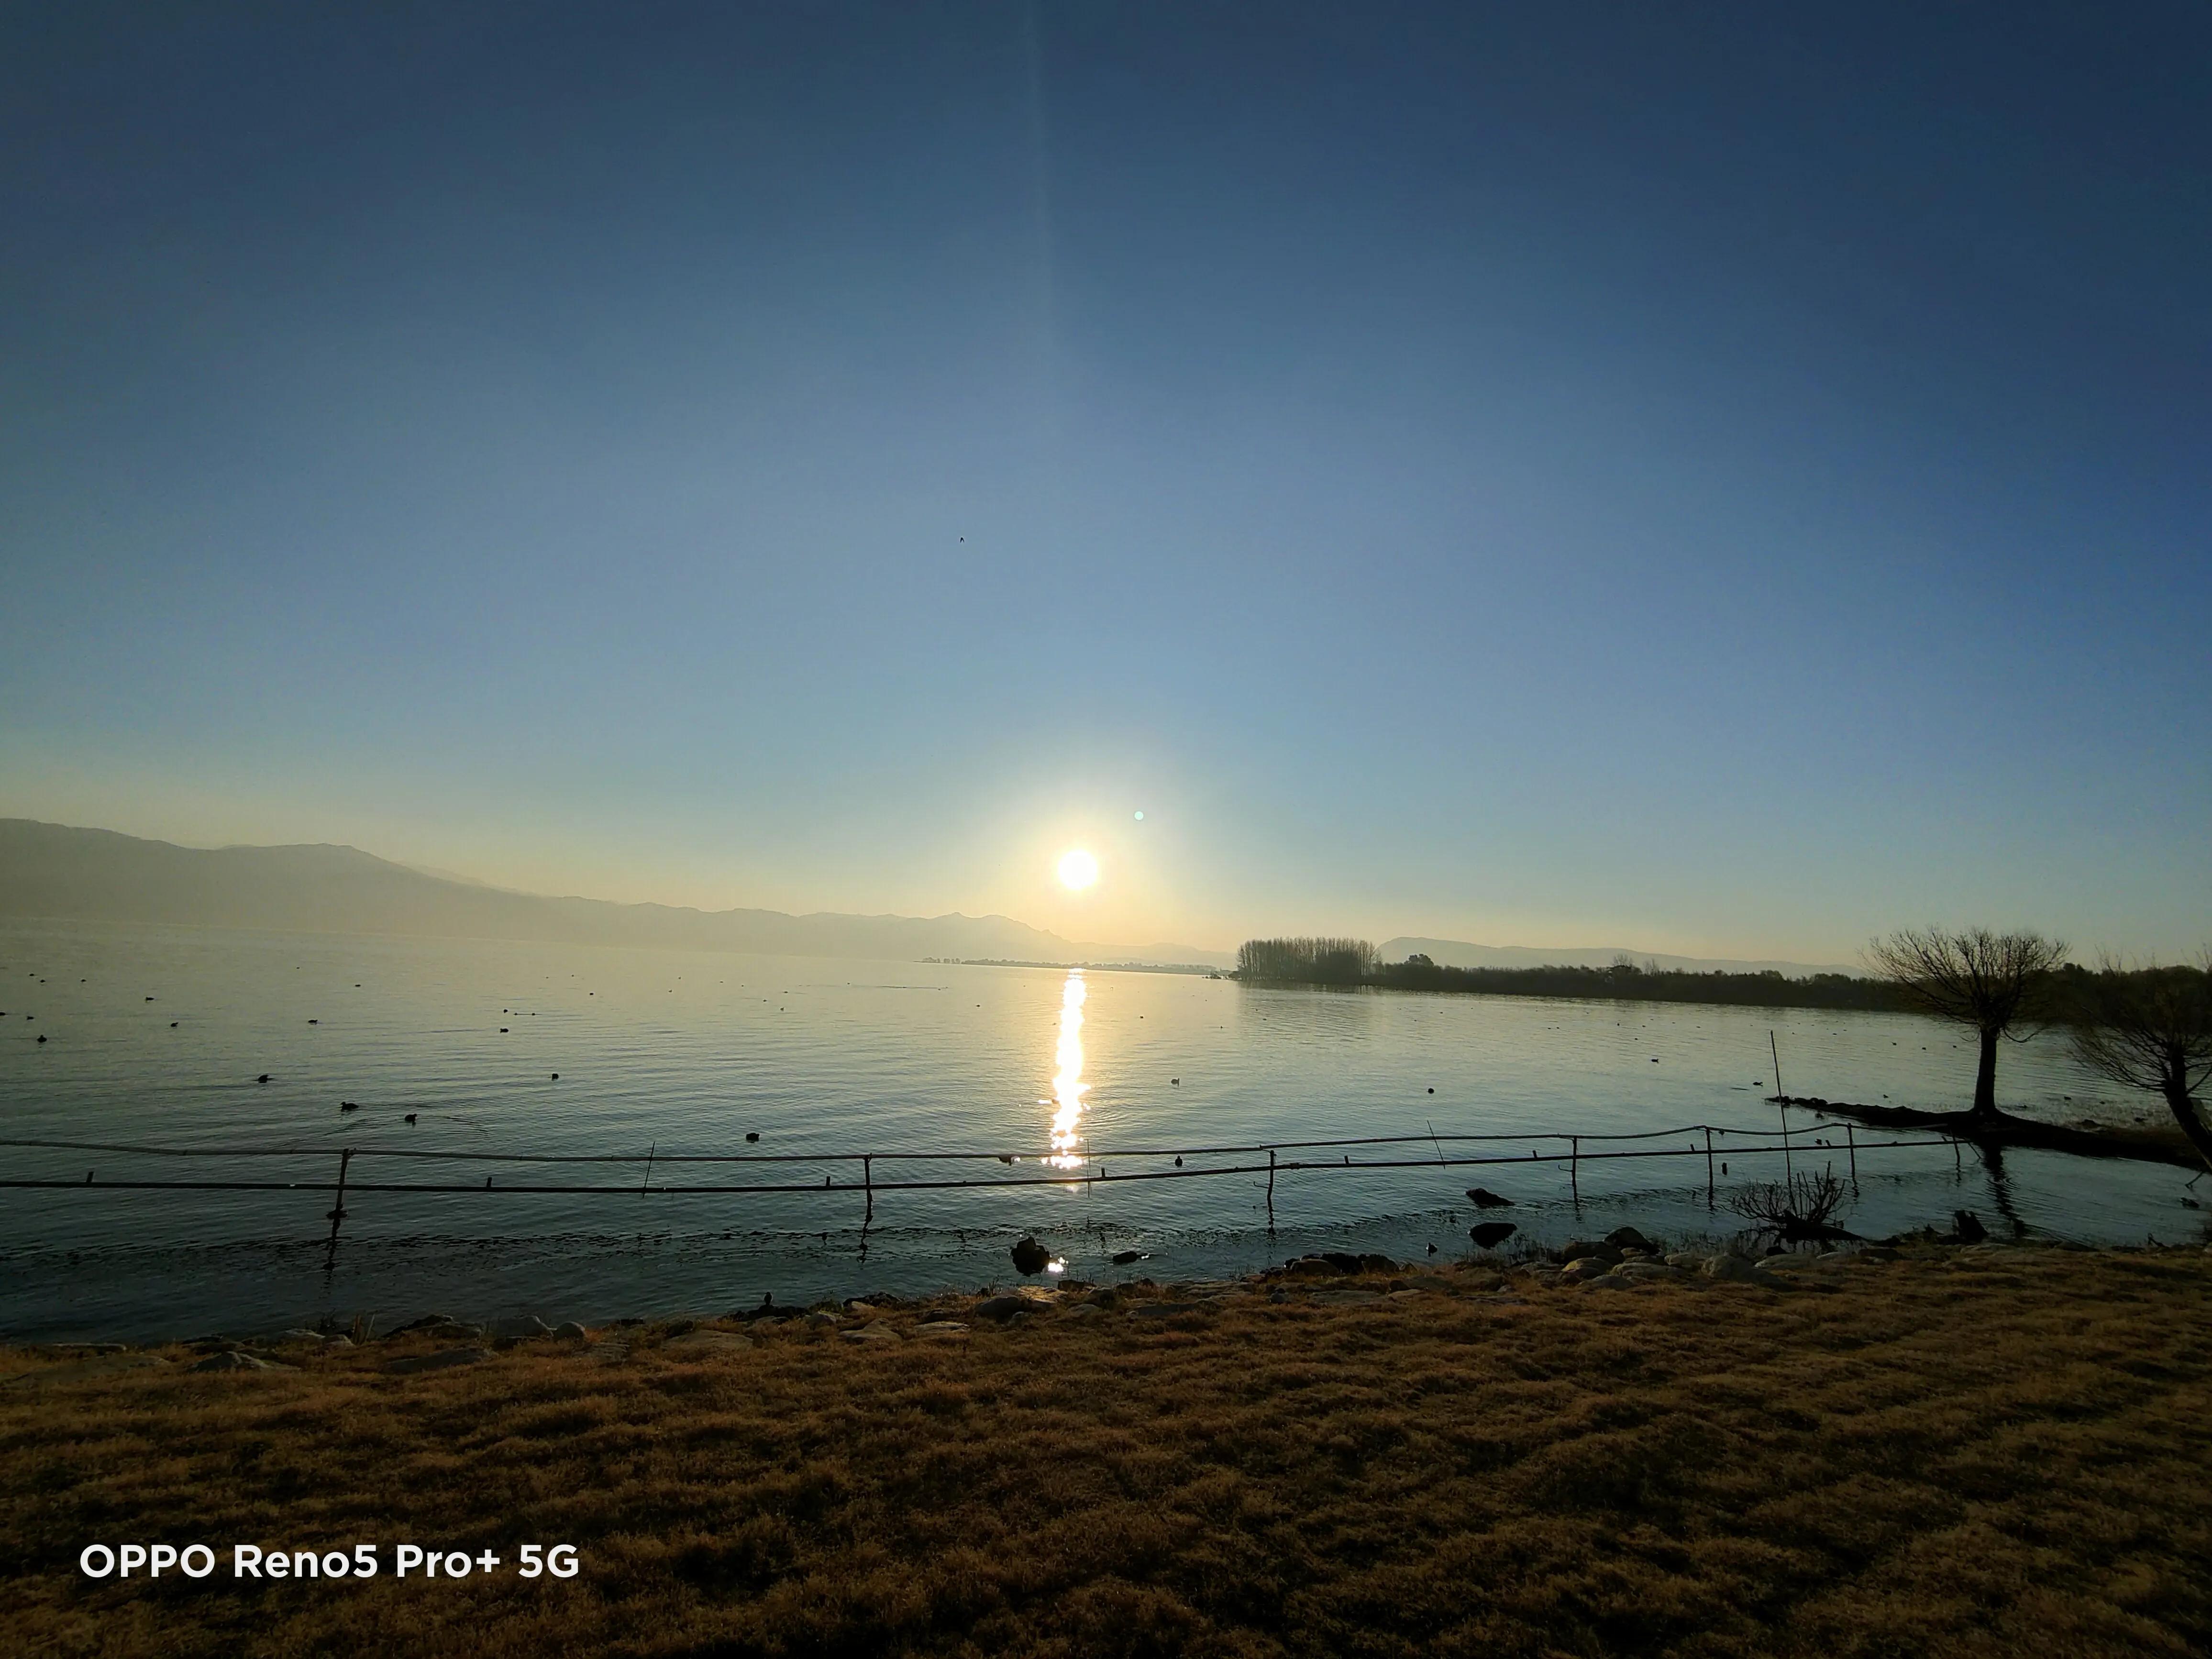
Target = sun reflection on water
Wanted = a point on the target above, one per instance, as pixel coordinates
(1067, 1083)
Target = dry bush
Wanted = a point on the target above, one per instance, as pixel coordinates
(1802, 1209)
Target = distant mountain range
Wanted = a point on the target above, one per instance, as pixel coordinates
(50, 870)
(1458, 953)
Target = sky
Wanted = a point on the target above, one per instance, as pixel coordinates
(1726, 479)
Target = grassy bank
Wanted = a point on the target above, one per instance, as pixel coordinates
(1975, 1452)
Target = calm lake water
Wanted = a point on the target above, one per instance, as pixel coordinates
(157, 1035)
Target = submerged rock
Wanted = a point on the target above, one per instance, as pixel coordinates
(1031, 1258)
(1489, 1234)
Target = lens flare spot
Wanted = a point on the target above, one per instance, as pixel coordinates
(1078, 870)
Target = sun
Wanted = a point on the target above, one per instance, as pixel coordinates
(1078, 870)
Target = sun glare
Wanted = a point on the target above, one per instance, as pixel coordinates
(1078, 870)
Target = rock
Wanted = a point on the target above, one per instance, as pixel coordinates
(1343, 1261)
(1489, 1234)
(1031, 1258)
(701, 1345)
(439, 1361)
(570, 1331)
(1485, 1199)
(876, 1333)
(940, 1327)
(519, 1327)
(1967, 1228)
(821, 1319)
(1000, 1307)
(1612, 1281)
(1731, 1268)
(1577, 1250)
(1123, 1258)
(1084, 1311)
(1689, 1261)
(234, 1361)
(1627, 1238)
(1585, 1268)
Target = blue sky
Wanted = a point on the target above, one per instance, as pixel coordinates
(1730, 479)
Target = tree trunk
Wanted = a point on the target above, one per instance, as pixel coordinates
(1985, 1078)
(2186, 1113)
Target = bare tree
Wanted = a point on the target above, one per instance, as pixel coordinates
(1991, 982)
(2151, 1028)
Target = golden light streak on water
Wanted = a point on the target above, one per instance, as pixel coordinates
(1067, 1083)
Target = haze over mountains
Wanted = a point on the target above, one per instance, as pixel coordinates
(54, 871)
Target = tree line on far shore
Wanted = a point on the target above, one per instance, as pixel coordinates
(2146, 1028)
(1355, 962)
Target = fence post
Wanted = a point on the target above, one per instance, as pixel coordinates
(1271, 1190)
(644, 1185)
(1708, 1169)
(1574, 1168)
(1851, 1139)
(868, 1181)
(337, 1211)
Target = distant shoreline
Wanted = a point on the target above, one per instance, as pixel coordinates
(1086, 967)
(1623, 982)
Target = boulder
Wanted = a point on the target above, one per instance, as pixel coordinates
(1484, 1198)
(1031, 1258)
(875, 1332)
(822, 1319)
(571, 1332)
(1377, 1264)
(1627, 1238)
(1000, 1307)
(939, 1327)
(1730, 1267)
(518, 1326)
(1344, 1261)
(1966, 1228)
(1489, 1234)
(1577, 1250)
(1124, 1258)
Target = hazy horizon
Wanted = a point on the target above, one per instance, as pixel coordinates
(1722, 485)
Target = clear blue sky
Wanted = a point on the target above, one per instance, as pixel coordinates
(1721, 478)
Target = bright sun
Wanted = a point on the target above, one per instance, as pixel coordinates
(1078, 870)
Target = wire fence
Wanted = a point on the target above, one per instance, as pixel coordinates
(864, 1175)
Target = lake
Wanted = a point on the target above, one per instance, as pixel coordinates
(156, 1036)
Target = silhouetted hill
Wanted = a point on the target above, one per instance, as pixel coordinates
(51, 870)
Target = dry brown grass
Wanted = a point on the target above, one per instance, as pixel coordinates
(1990, 1452)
